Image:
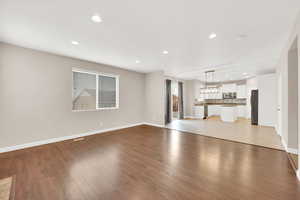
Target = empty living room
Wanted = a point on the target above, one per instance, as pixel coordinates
(164, 100)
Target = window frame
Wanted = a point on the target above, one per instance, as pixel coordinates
(97, 74)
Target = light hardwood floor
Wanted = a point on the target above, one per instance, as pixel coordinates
(294, 160)
(149, 163)
(6, 188)
(240, 131)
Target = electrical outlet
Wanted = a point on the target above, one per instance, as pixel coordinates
(101, 124)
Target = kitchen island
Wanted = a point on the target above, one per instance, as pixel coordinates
(229, 113)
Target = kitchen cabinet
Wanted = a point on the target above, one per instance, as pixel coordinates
(219, 95)
(229, 113)
(241, 111)
(214, 110)
(241, 92)
(212, 95)
(226, 88)
(210, 111)
(199, 111)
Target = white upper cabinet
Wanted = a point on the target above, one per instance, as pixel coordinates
(219, 95)
(229, 88)
(241, 91)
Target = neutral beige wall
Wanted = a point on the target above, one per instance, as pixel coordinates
(189, 88)
(267, 99)
(282, 70)
(192, 88)
(36, 97)
(292, 99)
(155, 98)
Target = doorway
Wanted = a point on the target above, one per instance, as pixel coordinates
(279, 112)
(174, 109)
(293, 129)
(175, 100)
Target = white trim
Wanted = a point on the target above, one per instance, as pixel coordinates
(84, 71)
(298, 174)
(116, 77)
(97, 74)
(293, 151)
(152, 124)
(287, 149)
(284, 144)
(118, 92)
(194, 116)
(95, 110)
(97, 92)
(188, 116)
(278, 133)
(52, 140)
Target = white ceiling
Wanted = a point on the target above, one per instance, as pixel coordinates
(141, 29)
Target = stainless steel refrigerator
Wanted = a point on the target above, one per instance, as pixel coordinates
(254, 107)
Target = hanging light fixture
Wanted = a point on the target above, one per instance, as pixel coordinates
(209, 89)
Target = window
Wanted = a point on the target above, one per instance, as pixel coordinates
(107, 91)
(92, 90)
(84, 91)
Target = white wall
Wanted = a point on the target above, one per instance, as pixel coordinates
(197, 86)
(282, 71)
(189, 88)
(192, 92)
(36, 97)
(232, 87)
(241, 92)
(155, 98)
(267, 100)
(251, 84)
(279, 104)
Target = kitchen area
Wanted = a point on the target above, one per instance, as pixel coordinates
(236, 110)
(227, 101)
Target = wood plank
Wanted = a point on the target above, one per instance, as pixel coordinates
(147, 162)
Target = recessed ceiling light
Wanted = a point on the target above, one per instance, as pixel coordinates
(96, 18)
(165, 52)
(137, 61)
(75, 42)
(212, 36)
(244, 73)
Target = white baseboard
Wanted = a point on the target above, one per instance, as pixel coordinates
(52, 140)
(194, 116)
(156, 125)
(293, 151)
(284, 144)
(287, 149)
(188, 116)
